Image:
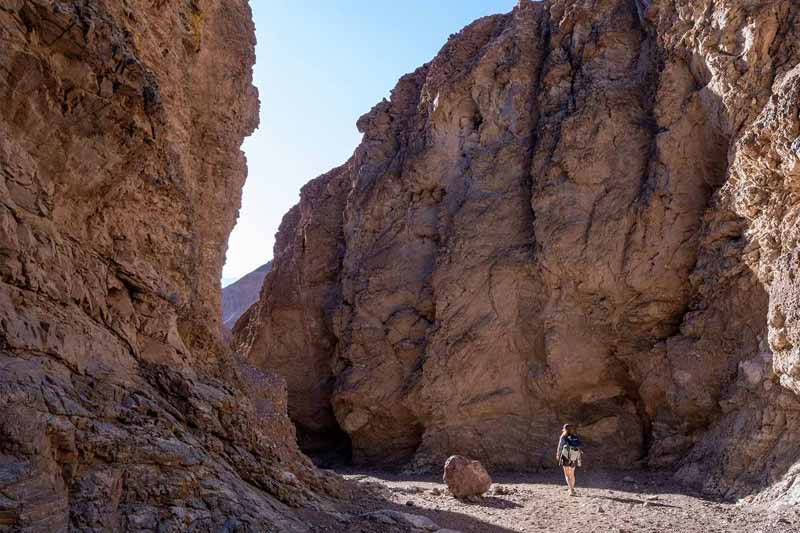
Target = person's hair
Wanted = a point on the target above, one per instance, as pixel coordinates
(566, 429)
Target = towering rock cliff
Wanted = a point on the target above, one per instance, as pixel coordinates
(120, 176)
(580, 211)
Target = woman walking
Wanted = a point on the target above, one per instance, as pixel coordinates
(569, 455)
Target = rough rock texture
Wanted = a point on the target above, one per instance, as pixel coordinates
(580, 211)
(292, 323)
(241, 294)
(388, 518)
(465, 477)
(120, 173)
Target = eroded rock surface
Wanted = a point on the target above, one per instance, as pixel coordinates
(293, 322)
(120, 177)
(579, 211)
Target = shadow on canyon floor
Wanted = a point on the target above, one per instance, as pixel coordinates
(643, 482)
(360, 517)
(608, 500)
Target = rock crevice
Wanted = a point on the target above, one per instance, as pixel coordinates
(120, 176)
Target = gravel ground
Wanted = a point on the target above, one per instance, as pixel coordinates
(606, 502)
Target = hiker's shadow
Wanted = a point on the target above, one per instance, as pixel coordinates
(635, 501)
(490, 501)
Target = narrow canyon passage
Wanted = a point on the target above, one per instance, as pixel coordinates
(580, 211)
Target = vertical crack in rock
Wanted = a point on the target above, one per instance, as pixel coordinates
(579, 210)
(120, 175)
(295, 313)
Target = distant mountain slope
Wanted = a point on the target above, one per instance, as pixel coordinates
(241, 294)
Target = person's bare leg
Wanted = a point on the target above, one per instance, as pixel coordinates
(569, 471)
(566, 476)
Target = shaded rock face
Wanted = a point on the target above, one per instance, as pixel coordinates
(241, 294)
(120, 173)
(579, 211)
(291, 327)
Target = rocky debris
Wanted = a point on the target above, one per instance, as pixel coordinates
(500, 490)
(376, 488)
(120, 175)
(390, 517)
(465, 478)
(411, 489)
(240, 295)
(580, 211)
(539, 502)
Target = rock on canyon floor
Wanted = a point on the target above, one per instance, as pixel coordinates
(608, 501)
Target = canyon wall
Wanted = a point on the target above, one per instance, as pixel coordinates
(581, 211)
(120, 177)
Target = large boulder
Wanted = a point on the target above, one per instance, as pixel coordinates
(465, 477)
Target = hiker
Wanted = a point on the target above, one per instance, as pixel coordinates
(569, 455)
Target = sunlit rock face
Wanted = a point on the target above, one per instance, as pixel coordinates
(578, 211)
(120, 178)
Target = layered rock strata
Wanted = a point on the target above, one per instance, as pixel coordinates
(579, 211)
(120, 177)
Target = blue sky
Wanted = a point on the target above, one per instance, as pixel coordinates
(320, 64)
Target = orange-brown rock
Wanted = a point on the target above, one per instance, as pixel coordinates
(465, 477)
(581, 211)
(294, 314)
(120, 177)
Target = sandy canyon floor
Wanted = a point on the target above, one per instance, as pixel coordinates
(621, 502)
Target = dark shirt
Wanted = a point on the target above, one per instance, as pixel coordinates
(573, 441)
